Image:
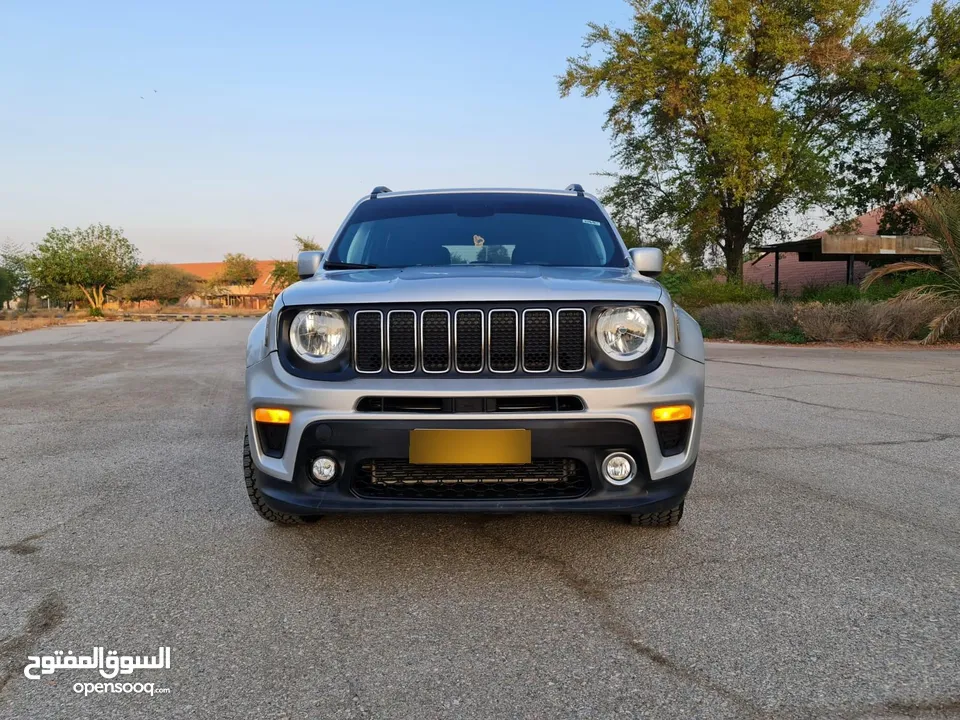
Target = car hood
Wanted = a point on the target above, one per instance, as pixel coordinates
(472, 283)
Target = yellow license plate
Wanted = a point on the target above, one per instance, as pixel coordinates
(470, 447)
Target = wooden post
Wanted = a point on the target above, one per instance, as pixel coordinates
(849, 269)
(776, 274)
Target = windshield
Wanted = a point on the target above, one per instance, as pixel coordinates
(477, 229)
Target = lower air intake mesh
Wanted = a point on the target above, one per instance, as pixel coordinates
(397, 478)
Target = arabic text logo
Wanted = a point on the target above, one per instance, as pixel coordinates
(109, 663)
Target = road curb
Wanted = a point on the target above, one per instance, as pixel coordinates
(176, 318)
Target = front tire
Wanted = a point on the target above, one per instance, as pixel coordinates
(661, 519)
(256, 497)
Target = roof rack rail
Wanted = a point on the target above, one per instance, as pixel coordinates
(575, 187)
(379, 189)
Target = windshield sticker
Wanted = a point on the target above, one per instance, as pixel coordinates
(478, 241)
(591, 222)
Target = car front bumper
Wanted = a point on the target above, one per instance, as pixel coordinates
(616, 416)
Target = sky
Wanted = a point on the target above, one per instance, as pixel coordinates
(203, 128)
(206, 128)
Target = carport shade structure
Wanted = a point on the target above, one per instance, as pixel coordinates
(849, 248)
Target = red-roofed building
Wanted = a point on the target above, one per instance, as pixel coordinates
(832, 257)
(795, 275)
(259, 295)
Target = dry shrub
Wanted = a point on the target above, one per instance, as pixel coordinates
(896, 320)
(761, 321)
(860, 319)
(907, 318)
(752, 322)
(818, 321)
(720, 321)
(834, 322)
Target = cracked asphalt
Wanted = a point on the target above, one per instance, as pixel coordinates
(815, 574)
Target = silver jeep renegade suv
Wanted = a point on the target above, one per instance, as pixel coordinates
(474, 351)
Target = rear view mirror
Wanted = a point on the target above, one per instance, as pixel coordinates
(308, 262)
(647, 260)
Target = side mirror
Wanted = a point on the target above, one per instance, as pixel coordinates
(308, 263)
(647, 260)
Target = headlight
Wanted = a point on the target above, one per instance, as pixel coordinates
(625, 333)
(318, 336)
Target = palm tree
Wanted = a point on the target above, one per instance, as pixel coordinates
(939, 216)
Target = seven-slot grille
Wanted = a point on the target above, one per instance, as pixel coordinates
(500, 340)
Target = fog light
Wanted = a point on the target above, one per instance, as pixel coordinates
(619, 468)
(324, 469)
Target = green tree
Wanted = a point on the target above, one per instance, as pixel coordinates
(7, 286)
(62, 295)
(284, 272)
(94, 260)
(306, 243)
(16, 260)
(165, 284)
(238, 269)
(905, 136)
(725, 114)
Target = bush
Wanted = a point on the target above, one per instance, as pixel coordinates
(824, 322)
(699, 290)
(894, 320)
(883, 289)
(891, 286)
(794, 337)
(762, 321)
(908, 319)
(719, 321)
(830, 293)
(861, 320)
(751, 322)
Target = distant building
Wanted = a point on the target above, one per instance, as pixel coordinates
(832, 257)
(795, 275)
(259, 295)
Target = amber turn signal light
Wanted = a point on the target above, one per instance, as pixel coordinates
(672, 412)
(274, 416)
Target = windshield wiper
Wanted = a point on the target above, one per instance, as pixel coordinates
(333, 265)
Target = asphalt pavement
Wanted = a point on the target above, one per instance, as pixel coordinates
(816, 573)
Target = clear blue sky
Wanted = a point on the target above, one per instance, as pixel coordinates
(261, 120)
(271, 119)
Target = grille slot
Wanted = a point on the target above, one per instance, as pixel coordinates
(468, 339)
(537, 348)
(402, 341)
(435, 340)
(571, 339)
(368, 341)
(503, 341)
(543, 478)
